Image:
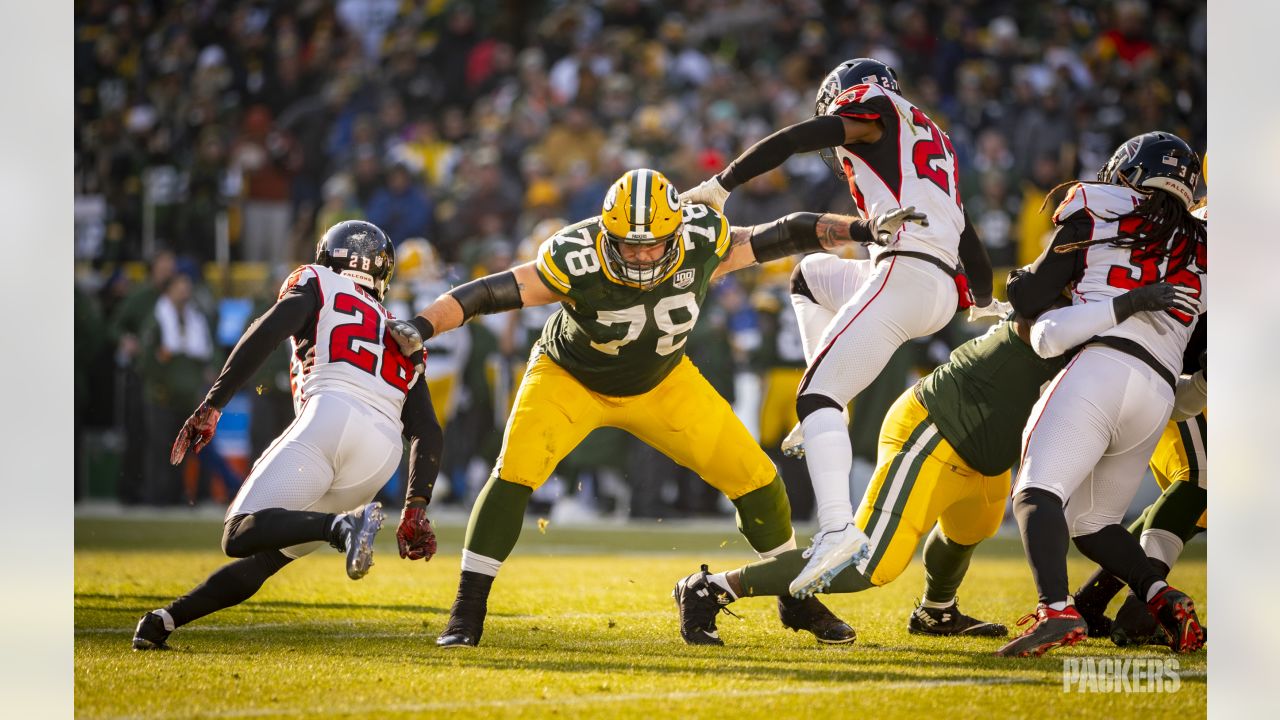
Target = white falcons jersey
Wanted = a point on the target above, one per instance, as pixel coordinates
(1110, 271)
(913, 164)
(348, 350)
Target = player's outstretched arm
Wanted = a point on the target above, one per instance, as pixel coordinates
(816, 133)
(499, 292)
(1058, 331)
(810, 232)
(415, 536)
(287, 317)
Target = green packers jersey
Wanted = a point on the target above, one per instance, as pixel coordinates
(981, 399)
(615, 338)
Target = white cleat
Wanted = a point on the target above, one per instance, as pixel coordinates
(793, 443)
(832, 551)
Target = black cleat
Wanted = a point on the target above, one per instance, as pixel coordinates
(1135, 625)
(699, 601)
(811, 615)
(151, 633)
(1051, 629)
(466, 617)
(354, 532)
(1177, 615)
(950, 621)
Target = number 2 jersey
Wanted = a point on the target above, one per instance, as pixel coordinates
(613, 337)
(1100, 272)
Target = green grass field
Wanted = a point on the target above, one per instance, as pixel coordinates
(581, 624)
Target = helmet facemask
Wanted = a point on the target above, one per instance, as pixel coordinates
(646, 274)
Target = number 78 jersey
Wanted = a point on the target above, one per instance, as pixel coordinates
(346, 349)
(613, 337)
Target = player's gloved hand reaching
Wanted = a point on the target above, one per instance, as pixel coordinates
(415, 536)
(1154, 298)
(405, 335)
(708, 192)
(886, 225)
(198, 429)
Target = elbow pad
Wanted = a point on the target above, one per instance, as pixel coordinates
(793, 234)
(487, 295)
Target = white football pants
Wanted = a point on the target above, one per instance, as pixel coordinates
(333, 457)
(1090, 436)
(866, 311)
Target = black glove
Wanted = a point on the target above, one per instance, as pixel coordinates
(1154, 298)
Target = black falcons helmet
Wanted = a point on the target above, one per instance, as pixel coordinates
(859, 71)
(1156, 160)
(361, 251)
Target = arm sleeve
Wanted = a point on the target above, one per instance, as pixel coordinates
(815, 133)
(1190, 397)
(287, 317)
(1058, 331)
(1033, 289)
(977, 265)
(426, 441)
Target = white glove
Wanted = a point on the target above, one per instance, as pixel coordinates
(410, 342)
(885, 226)
(996, 309)
(708, 192)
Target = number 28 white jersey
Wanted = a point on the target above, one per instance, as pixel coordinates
(347, 349)
(913, 164)
(1110, 271)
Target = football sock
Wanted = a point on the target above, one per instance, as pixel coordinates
(496, 519)
(764, 517)
(1096, 592)
(1155, 588)
(945, 564)
(229, 585)
(1119, 553)
(273, 529)
(1162, 545)
(774, 575)
(936, 605)
(1045, 540)
(1178, 510)
(830, 458)
(720, 581)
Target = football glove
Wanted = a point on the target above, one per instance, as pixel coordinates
(405, 335)
(198, 429)
(1154, 298)
(416, 538)
(708, 192)
(886, 225)
(995, 309)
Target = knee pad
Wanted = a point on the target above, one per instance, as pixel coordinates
(800, 286)
(809, 403)
(231, 539)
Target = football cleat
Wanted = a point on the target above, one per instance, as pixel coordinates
(832, 551)
(151, 633)
(950, 621)
(466, 617)
(1177, 615)
(1135, 625)
(793, 444)
(355, 533)
(811, 615)
(1051, 629)
(698, 601)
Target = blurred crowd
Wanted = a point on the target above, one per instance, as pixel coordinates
(237, 131)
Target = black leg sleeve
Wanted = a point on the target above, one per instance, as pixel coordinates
(1045, 540)
(273, 529)
(1119, 553)
(1096, 592)
(229, 585)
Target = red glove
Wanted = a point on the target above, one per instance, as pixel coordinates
(198, 429)
(415, 537)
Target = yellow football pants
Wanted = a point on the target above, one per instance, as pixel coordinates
(1180, 456)
(683, 418)
(778, 404)
(920, 480)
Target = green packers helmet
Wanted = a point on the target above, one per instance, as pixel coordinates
(641, 209)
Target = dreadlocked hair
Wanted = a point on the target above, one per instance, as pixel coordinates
(1149, 227)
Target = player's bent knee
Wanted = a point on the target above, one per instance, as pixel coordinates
(799, 285)
(233, 540)
(809, 403)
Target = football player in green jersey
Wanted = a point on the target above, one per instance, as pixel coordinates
(946, 448)
(631, 283)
